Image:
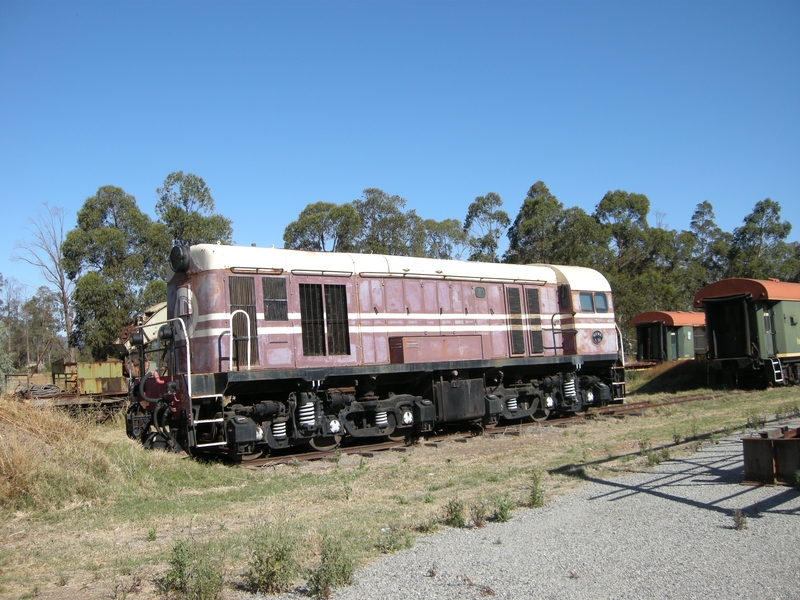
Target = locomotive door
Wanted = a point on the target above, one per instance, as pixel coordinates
(372, 314)
(278, 343)
(524, 317)
(516, 333)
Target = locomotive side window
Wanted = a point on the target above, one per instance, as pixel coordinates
(243, 297)
(275, 305)
(587, 303)
(534, 320)
(515, 321)
(600, 302)
(314, 318)
(480, 292)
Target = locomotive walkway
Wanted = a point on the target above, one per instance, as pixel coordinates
(667, 532)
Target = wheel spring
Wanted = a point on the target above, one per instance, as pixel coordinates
(307, 416)
(279, 430)
(511, 404)
(569, 389)
(381, 419)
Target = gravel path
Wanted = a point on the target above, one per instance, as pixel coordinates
(664, 533)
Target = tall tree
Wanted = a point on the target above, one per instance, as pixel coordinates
(485, 224)
(43, 251)
(445, 239)
(323, 226)
(624, 216)
(186, 207)
(384, 225)
(711, 246)
(536, 232)
(758, 247)
(116, 257)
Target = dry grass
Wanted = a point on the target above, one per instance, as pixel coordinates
(115, 532)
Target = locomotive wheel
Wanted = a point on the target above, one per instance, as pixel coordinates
(325, 444)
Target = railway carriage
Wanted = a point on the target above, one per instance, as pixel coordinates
(267, 348)
(752, 331)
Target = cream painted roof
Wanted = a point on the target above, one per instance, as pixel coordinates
(207, 257)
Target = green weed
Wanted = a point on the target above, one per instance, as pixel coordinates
(336, 568)
(273, 565)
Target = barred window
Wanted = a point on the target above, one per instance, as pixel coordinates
(243, 297)
(324, 329)
(275, 304)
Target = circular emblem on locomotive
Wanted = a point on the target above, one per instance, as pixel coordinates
(597, 336)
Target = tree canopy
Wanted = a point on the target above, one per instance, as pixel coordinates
(186, 207)
(116, 256)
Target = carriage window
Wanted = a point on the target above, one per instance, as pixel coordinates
(480, 292)
(314, 317)
(275, 305)
(600, 303)
(587, 304)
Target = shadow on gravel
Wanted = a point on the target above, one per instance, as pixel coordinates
(677, 484)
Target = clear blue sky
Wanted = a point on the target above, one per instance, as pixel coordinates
(280, 104)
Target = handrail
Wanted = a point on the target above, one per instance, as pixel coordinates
(188, 355)
(230, 341)
(621, 343)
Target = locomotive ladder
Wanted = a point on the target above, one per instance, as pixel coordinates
(777, 370)
(208, 421)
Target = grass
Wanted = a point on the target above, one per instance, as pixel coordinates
(111, 525)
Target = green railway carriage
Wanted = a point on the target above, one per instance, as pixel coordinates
(753, 330)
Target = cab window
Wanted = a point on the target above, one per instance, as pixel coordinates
(587, 303)
(600, 303)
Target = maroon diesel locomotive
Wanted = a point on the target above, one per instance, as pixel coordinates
(268, 349)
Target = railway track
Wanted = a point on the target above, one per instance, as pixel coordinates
(370, 449)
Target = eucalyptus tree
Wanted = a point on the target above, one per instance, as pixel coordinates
(186, 207)
(485, 224)
(116, 257)
(384, 224)
(758, 248)
(324, 226)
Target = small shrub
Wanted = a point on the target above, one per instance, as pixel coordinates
(394, 538)
(478, 512)
(739, 520)
(676, 436)
(536, 498)
(273, 563)
(192, 574)
(653, 458)
(454, 513)
(151, 534)
(502, 512)
(755, 420)
(429, 526)
(336, 568)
